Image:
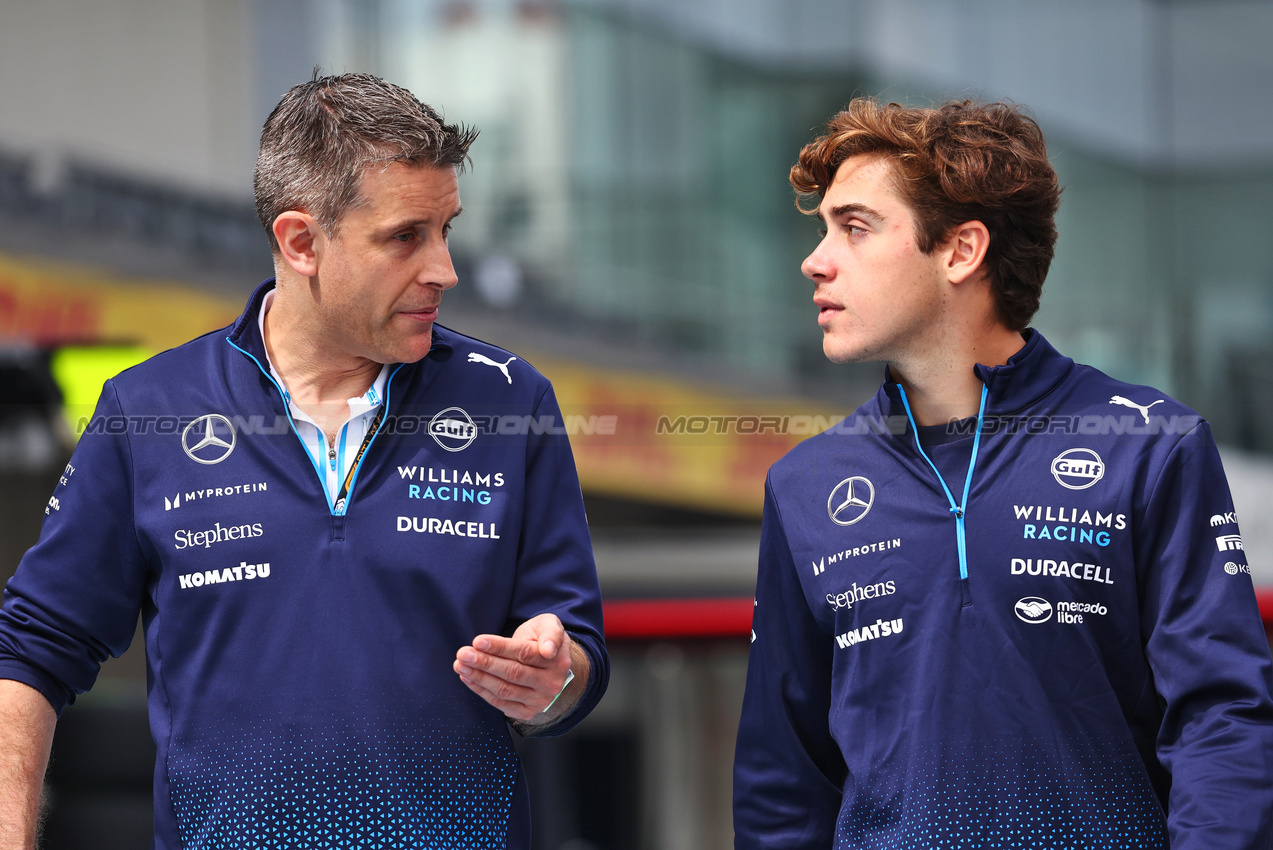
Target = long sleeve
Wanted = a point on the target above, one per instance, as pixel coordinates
(555, 568)
(76, 594)
(1209, 656)
(788, 772)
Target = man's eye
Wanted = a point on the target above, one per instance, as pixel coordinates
(446, 230)
(822, 233)
(405, 237)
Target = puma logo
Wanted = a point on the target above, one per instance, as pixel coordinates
(1144, 409)
(503, 367)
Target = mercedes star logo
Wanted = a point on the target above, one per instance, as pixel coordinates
(850, 500)
(209, 439)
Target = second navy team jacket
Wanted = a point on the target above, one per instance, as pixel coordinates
(299, 655)
(1057, 648)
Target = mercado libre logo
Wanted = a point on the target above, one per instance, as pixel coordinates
(453, 429)
(1033, 609)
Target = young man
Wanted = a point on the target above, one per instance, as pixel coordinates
(1005, 604)
(352, 572)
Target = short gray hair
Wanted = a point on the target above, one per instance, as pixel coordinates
(322, 136)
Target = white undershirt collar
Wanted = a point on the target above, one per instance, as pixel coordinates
(331, 462)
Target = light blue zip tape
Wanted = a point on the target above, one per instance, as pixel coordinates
(957, 509)
(314, 462)
(287, 408)
(358, 468)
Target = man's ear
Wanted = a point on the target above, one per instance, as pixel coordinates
(966, 251)
(297, 234)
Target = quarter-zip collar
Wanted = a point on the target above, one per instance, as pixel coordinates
(245, 335)
(1028, 376)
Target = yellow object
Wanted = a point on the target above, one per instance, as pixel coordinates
(52, 303)
(673, 441)
(101, 324)
(80, 371)
(635, 435)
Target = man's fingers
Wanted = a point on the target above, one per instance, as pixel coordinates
(546, 630)
(521, 675)
(517, 701)
(509, 669)
(509, 707)
(525, 651)
(502, 688)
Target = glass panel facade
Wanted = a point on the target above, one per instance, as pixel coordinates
(631, 182)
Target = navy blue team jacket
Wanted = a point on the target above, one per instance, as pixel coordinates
(1060, 649)
(299, 656)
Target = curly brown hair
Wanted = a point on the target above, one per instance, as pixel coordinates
(325, 133)
(957, 162)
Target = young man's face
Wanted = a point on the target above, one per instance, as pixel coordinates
(876, 293)
(382, 277)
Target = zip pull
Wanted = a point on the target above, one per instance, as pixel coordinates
(956, 508)
(338, 506)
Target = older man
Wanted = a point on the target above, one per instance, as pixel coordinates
(353, 568)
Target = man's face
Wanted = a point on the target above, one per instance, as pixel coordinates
(876, 293)
(380, 280)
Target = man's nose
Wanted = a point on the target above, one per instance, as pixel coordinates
(816, 266)
(441, 271)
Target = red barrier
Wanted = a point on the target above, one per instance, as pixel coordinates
(653, 619)
(656, 619)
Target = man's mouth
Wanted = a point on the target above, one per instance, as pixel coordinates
(423, 314)
(826, 309)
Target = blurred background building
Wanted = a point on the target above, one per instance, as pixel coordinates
(629, 229)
